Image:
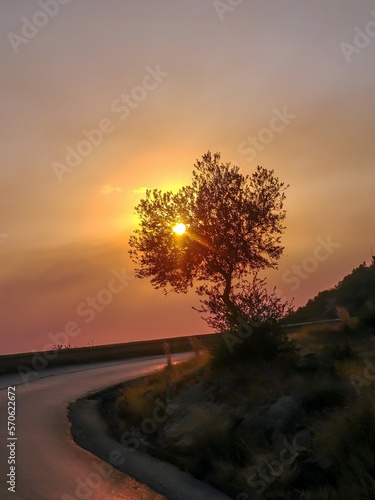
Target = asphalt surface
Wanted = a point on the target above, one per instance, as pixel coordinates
(49, 465)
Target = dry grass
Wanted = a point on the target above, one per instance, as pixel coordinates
(138, 400)
(225, 440)
(208, 429)
(346, 439)
(185, 371)
(347, 322)
(313, 336)
(351, 367)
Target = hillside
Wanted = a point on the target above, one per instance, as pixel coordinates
(353, 292)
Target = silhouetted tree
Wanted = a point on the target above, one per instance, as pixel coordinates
(233, 228)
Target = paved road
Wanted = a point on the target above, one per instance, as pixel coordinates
(50, 466)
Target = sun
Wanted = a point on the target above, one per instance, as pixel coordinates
(179, 228)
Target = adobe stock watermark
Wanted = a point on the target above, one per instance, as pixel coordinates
(222, 7)
(277, 124)
(361, 40)
(259, 479)
(121, 107)
(31, 27)
(298, 273)
(244, 331)
(88, 309)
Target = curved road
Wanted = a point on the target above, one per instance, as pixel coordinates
(50, 466)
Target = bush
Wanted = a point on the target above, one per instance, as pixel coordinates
(367, 317)
(265, 342)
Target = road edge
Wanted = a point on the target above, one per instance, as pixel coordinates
(90, 432)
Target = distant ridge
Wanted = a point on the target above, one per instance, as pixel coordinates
(352, 292)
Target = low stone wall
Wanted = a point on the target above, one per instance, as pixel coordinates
(80, 355)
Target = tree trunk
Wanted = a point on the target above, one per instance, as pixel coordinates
(231, 306)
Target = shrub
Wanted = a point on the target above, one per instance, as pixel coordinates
(138, 403)
(266, 341)
(211, 439)
(367, 317)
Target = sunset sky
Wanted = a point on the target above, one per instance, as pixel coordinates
(166, 81)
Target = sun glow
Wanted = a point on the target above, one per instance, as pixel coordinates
(179, 228)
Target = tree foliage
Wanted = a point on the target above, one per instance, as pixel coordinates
(234, 226)
(252, 299)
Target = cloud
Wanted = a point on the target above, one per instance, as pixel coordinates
(109, 189)
(140, 190)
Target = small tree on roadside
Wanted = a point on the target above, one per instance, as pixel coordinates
(230, 228)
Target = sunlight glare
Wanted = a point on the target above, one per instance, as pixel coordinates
(179, 228)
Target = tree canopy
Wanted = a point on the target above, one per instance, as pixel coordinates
(234, 224)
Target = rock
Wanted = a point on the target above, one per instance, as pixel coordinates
(281, 413)
(183, 416)
(171, 432)
(188, 408)
(199, 394)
